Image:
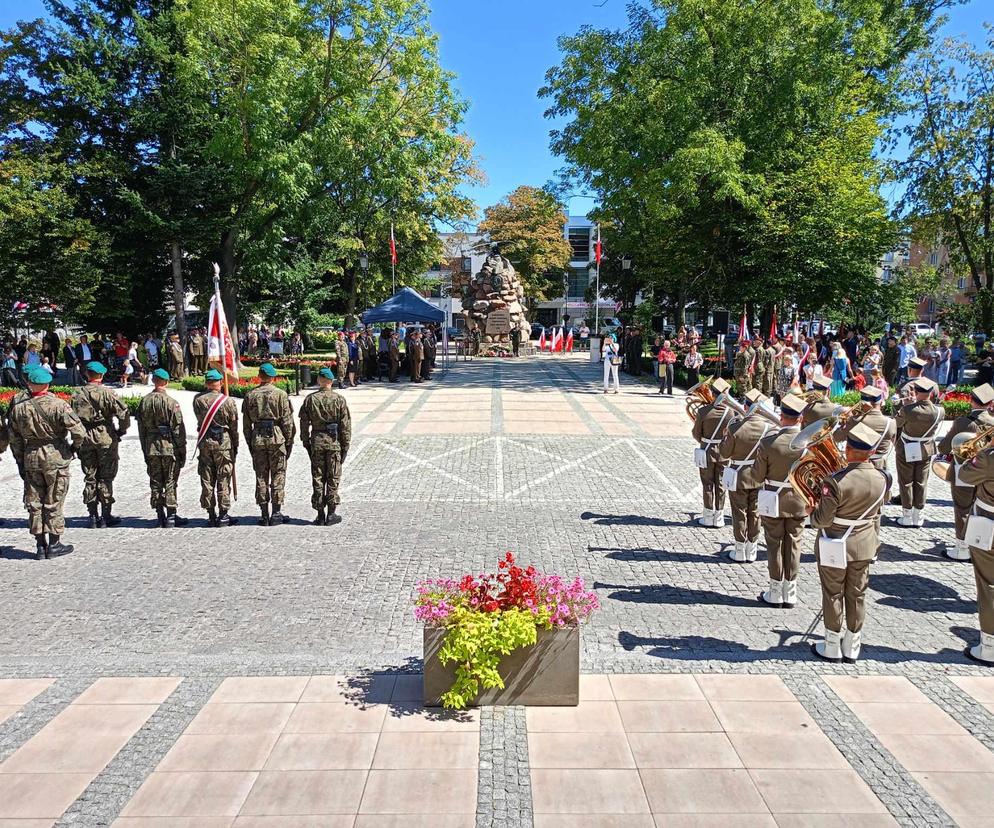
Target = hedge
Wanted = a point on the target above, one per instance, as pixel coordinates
(237, 389)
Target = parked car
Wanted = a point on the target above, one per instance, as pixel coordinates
(921, 329)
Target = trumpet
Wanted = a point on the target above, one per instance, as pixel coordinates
(820, 460)
(698, 396)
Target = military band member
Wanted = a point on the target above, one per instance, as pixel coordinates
(393, 355)
(906, 393)
(917, 423)
(106, 419)
(709, 429)
(415, 356)
(847, 543)
(979, 472)
(163, 440)
(963, 494)
(326, 432)
(40, 429)
(743, 368)
(820, 405)
(267, 422)
(738, 450)
(878, 421)
(784, 512)
(217, 448)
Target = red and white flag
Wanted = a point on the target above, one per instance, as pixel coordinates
(541, 340)
(393, 246)
(773, 324)
(797, 330)
(557, 339)
(598, 250)
(569, 341)
(744, 328)
(219, 347)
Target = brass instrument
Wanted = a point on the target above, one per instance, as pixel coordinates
(814, 395)
(847, 416)
(820, 460)
(699, 396)
(965, 447)
(759, 408)
(727, 400)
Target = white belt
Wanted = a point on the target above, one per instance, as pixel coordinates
(742, 463)
(778, 485)
(981, 505)
(924, 439)
(710, 442)
(879, 456)
(853, 523)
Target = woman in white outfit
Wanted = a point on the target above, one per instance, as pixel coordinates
(610, 354)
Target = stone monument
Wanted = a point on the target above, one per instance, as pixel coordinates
(492, 301)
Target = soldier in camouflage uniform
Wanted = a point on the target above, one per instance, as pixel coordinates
(743, 364)
(163, 439)
(342, 358)
(325, 431)
(97, 408)
(39, 425)
(217, 447)
(269, 429)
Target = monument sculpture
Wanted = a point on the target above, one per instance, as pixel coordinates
(492, 301)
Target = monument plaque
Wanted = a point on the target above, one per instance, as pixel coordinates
(499, 322)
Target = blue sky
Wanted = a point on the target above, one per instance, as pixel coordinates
(500, 53)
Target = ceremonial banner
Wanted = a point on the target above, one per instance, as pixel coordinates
(219, 347)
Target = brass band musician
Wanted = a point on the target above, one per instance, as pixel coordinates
(710, 424)
(917, 423)
(819, 405)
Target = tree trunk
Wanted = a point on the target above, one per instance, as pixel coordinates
(680, 313)
(350, 302)
(229, 286)
(179, 291)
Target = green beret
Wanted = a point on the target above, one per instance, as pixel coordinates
(161, 373)
(267, 369)
(39, 376)
(96, 367)
(326, 373)
(213, 375)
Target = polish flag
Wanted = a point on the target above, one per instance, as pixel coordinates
(541, 340)
(744, 328)
(557, 340)
(597, 247)
(569, 341)
(393, 247)
(773, 324)
(219, 347)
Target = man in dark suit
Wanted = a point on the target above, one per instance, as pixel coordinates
(69, 356)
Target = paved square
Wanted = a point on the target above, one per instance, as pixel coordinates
(191, 672)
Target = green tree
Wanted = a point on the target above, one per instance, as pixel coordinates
(949, 168)
(529, 225)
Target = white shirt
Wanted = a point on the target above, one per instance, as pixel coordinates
(85, 350)
(908, 352)
(151, 348)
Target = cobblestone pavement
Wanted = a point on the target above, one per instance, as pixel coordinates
(442, 479)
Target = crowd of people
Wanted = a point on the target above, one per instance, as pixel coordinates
(775, 483)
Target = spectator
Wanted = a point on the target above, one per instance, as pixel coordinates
(880, 382)
(871, 362)
(31, 357)
(907, 351)
(295, 347)
(152, 349)
(693, 362)
(890, 362)
(957, 358)
(666, 360)
(352, 372)
(584, 337)
(69, 357)
(851, 346)
(842, 372)
(812, 370)
(8, 368)
(943, 362)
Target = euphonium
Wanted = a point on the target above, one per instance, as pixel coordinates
(727, 400)
(965, 447)
(759, 408)
(858, 411)
(699, 396)
(821, 458)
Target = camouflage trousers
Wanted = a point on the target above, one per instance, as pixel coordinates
(162, 475)
(269, 464)
(326, 474)
(744, 383)
(215, 467)
(99, 466)
(44, 495)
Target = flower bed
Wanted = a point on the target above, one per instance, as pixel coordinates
(487, 617)
(7, 397)
(288, 362)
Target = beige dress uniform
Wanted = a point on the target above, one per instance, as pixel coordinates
(917, 424)
(709, 429)
(783, 533)
(738, 450)
(850, 501)
(963, 494)
(979, 473)
(818, 409)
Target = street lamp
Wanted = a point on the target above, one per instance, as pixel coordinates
(364, 262)
(626, 263)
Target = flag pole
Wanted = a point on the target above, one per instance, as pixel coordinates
(224, 362)
(597, 299)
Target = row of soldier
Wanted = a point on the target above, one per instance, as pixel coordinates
(749, 454)
(45, 433)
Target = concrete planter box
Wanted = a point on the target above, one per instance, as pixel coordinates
(545, 674)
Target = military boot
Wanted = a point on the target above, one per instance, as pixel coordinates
(211, 517)
(56, 548)
(320, 519)
(332, 517)
(224, 519)
(278, 518)
(41, 547)
(160, 514)
(264, 520)
(107, 519)
(173, 520)
(94, 521)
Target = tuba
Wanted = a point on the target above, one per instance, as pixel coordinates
(820, 460)
(699, 396)
(965, 447)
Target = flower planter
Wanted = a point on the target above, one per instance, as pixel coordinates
(544, 674)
